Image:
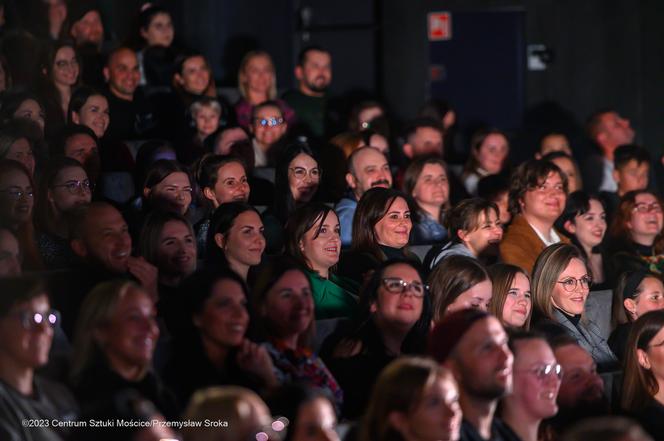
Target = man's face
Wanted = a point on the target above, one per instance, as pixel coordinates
(371, 170)
(614, 131)
(88, 29)
(632, 176)
(105, 240)
(315, 74)
(482, 361)
(122, 74)
(425, 141)
(580, 383)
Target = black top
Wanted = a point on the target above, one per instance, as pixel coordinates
(651, 418)
(355, 265)
(499, 432)
(130, 120)
(618, 340)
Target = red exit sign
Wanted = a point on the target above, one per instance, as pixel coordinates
(440, 26)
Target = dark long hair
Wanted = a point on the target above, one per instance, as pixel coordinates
(577, 204)
(222, 220)
(284, 203)
(304, 219)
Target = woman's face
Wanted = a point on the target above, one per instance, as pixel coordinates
(303, 177)
(195, 76)
(437, 414)
(503, 203)
(650, 298)
(21, 151)
(130, 337)
(492, 153)
(322, 251)
(207, 121)
(16, 197)
(30, 109)
(245, 242)
(536, 382)
(289, 305)
(432, 187)
(518, 302)
(546, 201)
(65, 67)
(400, 309)
(393, 230)
(94, 114)
(24, 341)
(316, 421)
(70, 189)
(224, 318)
(258, 75)
(589, 228)
(647, 219)
(173, 193)
(655, 357)
(232, 185)
(267, 134)
(572, 288)
(477, 297)
(567, 167)
(160, 31)
(176, 249)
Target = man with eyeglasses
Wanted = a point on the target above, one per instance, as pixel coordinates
(474, 346)
(28, 402)
(268, 127)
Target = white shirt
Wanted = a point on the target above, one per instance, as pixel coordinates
(552, 234)
(608, 183)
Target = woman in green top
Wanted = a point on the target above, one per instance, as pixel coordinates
(313, 240)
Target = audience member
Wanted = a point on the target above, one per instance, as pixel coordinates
(10, 254)
(568, 166)
(80, 143)
(19, 105)
(15, 144)
(206, 114)
(423, 137)
(313, 240)
(155, 28)
(511, 298)
(496, 189)
(489, 149)
(631, 167)
(87, 30)
(268, 127)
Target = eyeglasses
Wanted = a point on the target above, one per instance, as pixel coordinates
(396, 285)
(642, 207)
(61, 64)
(543, 371)
(32, 320)
(269, 122)
(570, 284)
(300, 173)
(17, 193)
(75, 187)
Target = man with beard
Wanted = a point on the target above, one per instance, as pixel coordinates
(473, 345)
(367, 168)
(309, 100)
(474, 230)
(87, 31)
(581, 394)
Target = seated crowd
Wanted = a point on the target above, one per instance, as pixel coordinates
(303, 272)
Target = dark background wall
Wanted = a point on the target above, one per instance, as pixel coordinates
(607, 53)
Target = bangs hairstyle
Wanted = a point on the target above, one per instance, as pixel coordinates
(372, 207)
(619, 229)
(399, 388)
(284, 203)
(476, 142)
(465, 216)
(577, 204)
(413, 172)
(79, 97)
(151, 232)
(502, 277)
(204, 101)
(241, 74)
(160, 170)
(221, 222)
(528, 176)
(548, 267)
(451, 278)
(180, 61)
(639, 384)
(304, 219)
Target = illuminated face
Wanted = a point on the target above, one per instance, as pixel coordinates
(486, 236)
(545, 202)
(567, 166)
(570, 291)
(477, 297)
(403, 309)
(245, 242)
(393, 229)
(647, 220)
(195, 76)
(224, 318)
(65, 69)
(492, 153)
(321, 244)
(632, 176)
(315, 75)
(70, 189)
(160, 30)
(176, 249)
(231, 185)
(589, 228)
(27, 348)
(432, 187)
(615, 130)
(94, 114)
(173, 193)
(518, 302)
(258, 75)
(268, 126)
(207, 121)
(123, 74)
(303, 177)
(371, 169)
(649, 297)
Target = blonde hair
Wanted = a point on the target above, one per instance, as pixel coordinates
(241, 85)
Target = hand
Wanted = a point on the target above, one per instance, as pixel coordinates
(146, 273)
(255, 359)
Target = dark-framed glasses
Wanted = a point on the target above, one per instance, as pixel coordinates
(75, 187)
(570, 284)
(396, 285)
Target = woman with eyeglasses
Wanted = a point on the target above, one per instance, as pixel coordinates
(560, 286)
(394, 319)
(284, 308)
(511, 300)
(27, 327)
(637, 242)
(643, 380)
(636, 293)
(17, 192)
(63, 187)
(314, 241)
(536, 380)
(257, 83)
(296, 182)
